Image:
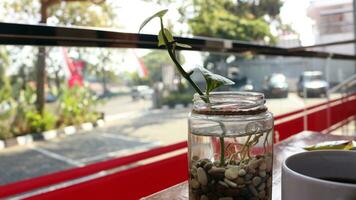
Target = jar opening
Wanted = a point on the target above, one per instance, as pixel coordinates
(230, 103)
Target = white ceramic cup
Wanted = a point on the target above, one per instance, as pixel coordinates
(304, 174)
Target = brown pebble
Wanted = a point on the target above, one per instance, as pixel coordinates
(223, 184)
(261, 187)
(253, 164)
(214, 170)
(251, 171)
(256, 181)
(193, 171)
(262, 174)
(204, 161)
(263, 166)
(205, 189)
(203, 197)
(217, 173)
(232, 173)
(208, 166)
(212, 196)
(240, 181)
(226, 198)
(242, 172)
(262, 194)
(202, 177)
(253, 190)
(194, 184)
(216, 163)
(195, 158)
(232, 192)
(230, 183)
(241, 186)
(248, 177)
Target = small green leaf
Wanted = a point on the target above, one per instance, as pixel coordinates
(158, 14)
(214, 81)
(342, 145)
(183, 45)
(168, 35)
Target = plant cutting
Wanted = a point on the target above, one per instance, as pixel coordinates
(230, 140)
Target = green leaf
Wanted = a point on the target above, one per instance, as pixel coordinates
(341, 145)
(159, 14)
(168, 35)
(183, 45)
(214, 81)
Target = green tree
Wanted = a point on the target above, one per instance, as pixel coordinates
(245, 20)
(82, 13)
(225, 19)
(5, 87)
(154, 62)
(56, 12)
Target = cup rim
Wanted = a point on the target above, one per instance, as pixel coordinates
(314, 179)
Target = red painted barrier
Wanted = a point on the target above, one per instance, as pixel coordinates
(289, 128)
(147, 179)
(318, 120)
(130, 184)
(65, 175)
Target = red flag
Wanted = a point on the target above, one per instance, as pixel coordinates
(75, 68)
(143, 71)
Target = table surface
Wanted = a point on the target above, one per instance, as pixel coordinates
(282, 150)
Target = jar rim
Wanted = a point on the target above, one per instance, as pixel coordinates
(259, 95)
(230, 103)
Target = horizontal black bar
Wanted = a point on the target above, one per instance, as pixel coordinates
(352, 41)
(44, 35)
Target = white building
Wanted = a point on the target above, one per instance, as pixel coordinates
(333, 21)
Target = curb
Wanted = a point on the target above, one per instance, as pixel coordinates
(176, 106)
(2, 144)
(49, 135)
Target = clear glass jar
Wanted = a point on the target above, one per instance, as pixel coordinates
(230, 146)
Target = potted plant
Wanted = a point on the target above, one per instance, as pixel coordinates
(230, 135)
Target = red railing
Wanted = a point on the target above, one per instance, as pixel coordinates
(146, 179)
(318, 117)
(65, 175)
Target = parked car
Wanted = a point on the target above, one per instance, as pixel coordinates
(312, 84)
(275, 85)
(141, 92)
(50, 98)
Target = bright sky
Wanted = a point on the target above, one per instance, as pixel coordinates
(293, 12)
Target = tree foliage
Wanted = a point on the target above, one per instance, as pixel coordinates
(82, 14)
(229, 20)
(154, 62)
(246, 20)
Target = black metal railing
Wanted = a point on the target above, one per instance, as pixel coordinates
(44, 35)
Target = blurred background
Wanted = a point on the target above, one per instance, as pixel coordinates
(139, 95)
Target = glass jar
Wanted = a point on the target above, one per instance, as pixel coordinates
(230, 147)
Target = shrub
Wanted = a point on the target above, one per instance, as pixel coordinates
(177, 98)
(77, 106)
(5, 132)
(39, 123)
(25, 103)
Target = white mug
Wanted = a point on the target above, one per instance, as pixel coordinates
(324, 175)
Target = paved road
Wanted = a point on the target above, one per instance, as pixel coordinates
(134, 127)
(72, 151)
